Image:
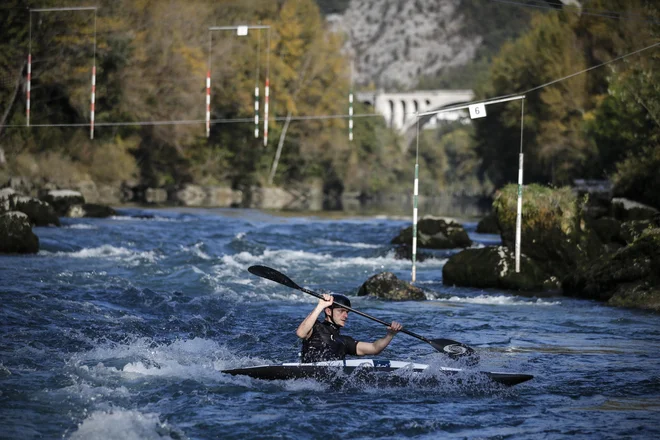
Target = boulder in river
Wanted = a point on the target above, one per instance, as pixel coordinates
(16, 236)
(386, 285)
(629, 277)
(435, 233)
(554, 233)
(62, 199)
(40, 213)
(494, 267)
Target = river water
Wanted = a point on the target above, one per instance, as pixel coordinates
(119, 329)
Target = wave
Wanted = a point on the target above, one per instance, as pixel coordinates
(324, 242)
(195, 359)
(197, 251)
(121, 424)
(80, 226)
(108, 251)
(500, 300)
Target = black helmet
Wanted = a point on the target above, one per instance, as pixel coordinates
(340, 301)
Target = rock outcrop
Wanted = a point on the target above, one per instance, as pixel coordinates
(16, 234)
(494, 267)
(386, 285)
(435, 233)
(628, 277)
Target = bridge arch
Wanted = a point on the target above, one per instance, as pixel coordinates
(399, 108)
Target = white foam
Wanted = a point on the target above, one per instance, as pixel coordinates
(195, 250)
(152, 219)
(324, 242)
(500, 300)
(120, 424)
(80, 226)
(109, 252)
(285, 258)
(196, 359)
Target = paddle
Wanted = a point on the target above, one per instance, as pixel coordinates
(453, 349)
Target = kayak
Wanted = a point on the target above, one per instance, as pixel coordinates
(379, 371)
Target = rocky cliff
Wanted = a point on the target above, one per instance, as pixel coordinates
(395, 42)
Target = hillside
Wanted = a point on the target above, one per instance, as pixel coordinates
(396, 44)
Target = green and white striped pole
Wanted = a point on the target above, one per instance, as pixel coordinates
(350, 107)
(520, 190)
(415, 194)
(350, 115)
(414, 228)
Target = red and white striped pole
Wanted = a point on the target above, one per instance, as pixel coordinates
(266, 98)
(93, 104)
(29, 79)
(208, 103)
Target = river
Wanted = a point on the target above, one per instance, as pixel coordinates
(119, 329)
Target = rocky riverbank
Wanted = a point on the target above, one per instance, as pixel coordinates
(589, 246)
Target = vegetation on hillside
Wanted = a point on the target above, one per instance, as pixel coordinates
(152, 58)
(585, 125)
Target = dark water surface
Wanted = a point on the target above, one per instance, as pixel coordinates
(119, 327)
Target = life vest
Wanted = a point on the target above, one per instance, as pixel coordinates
(326, 344)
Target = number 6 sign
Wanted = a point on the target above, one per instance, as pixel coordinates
(477, 111)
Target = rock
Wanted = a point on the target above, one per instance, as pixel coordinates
(628, 210)
(494, 267)
(155, 195)
(40, 213)
(16, 234)
(90, 210)
(191, 195)
(62, 199)
(387, 286)
(554, 234)
(96, 210)
(435, 233)
(630, 277)
(75, 211)
(598, 194)
(404, 252)
(488, 225)
(609, 232)
(271, 198)
(20, 184)
(88, 189)
(223, 196)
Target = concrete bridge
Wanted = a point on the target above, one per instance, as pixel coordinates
(399, 109)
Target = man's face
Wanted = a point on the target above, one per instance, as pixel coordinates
(339, 316)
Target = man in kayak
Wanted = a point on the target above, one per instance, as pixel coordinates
(322, 341)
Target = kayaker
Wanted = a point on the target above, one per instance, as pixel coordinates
(322, 341)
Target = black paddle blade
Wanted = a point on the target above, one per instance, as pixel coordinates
(273, 275)
(455, 350)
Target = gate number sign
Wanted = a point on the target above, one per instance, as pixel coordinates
(477, 111)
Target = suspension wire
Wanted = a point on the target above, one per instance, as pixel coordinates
(582, 11)
(321, 117)
(199, 121)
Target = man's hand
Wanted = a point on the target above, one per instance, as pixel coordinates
(326, 301)
(394, 328)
